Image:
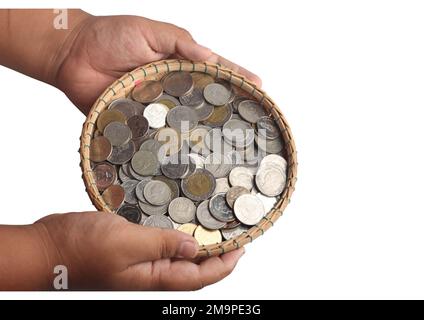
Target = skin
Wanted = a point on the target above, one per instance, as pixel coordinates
(101, 251)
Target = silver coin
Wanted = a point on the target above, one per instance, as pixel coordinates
(129, 188)
(130, 212)
(270, 180)
(197, 140)
(198, 160)
(203, 111)
(143, 217)
(155, 147)
(241, 176)
(235, 192)
(193, 99)
(122, 176)
(157, 221)
(238, 133)
(236, 116)
(172, 184)
(232, 233)
(117, 133)
(269, 146)
(182, 210)
(139, 189)
(178, 83)
(182, 119)
(251, 111)
(135, 175)
(217, 94)
(219, 208)
(268, 202)
(145, 163)
(215, 142)
(275, 159)
(122, 154)
(218, 164)
(236, 103)
(126, 106)
(157, 193)
(174, 168)
(152, 210)
(156, 113)
(267, 128)
(191, 167)
(205, 218)
(248, 209)
(222, 186)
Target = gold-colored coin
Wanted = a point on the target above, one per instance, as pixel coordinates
(199, 186)
(219, 116)
(147, 91)
(205, 237)
(114, 196)
(100, 149)
(201, 80)
(187, 228)
(109, 116)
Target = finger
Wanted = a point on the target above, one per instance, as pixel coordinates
(217, 59)
(185, 275)
(137, 244)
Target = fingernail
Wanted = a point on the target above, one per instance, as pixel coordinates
(187, 249)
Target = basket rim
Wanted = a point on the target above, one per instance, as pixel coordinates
(121, 87)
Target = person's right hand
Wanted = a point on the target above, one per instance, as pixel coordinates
(105, 251)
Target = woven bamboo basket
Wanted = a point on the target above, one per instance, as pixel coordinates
(123, 86)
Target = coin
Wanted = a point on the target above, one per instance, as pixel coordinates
(199, 186)
(236, 102)
(217, 94)
(232, 224)
(135, 175)
(269, 146)
(129, 188)
(276, 159)
(155, 147)
(172, 184)
(221, 185)
(157, 193)
(197, 140)
(117, 133)
(267, 128)
(138, 125)
(218, 164)
(152, 210)
(193, 99)
(122, 176)
(234, 232)
(178, 83)
(249, 209)
(268, 202)
(144, 163)
(139, 189)
(147, 91)
(168, 101)
(241, 176)
(204, 111)
(173, 168)
(187, 228)
(122, 154)
(215, 142)
(219, 116)
(219, 208)
(234, 193)
(206, 219)
(100, 149)
(239, 133)
(109, 116)
(206, 237)
(125, 106)
(270, 180)
(114, 196)
(130, 212)
(251, 111)
(182, 210)
(182, 119)
(104, 175)
(155, 113)
(157, 221)
(201, 79)
(198, 160)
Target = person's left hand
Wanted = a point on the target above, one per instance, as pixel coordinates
(104, 48)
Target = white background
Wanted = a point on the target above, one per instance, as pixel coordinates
(349, 77)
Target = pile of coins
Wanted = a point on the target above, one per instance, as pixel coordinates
(189, 152)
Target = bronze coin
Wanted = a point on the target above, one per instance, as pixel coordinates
(104, 175)
(201, 80)
(219, 116)
(147, 91)
(199, 186)
(178, 83)
(100, 149)
(138, 125)
(114, 196)
(232, 224)
(109, 116)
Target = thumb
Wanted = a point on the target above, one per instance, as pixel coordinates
(189, 49)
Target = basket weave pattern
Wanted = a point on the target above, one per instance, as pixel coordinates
(120, 88)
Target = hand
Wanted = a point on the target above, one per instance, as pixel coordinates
(102, 49)
(105, 251)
